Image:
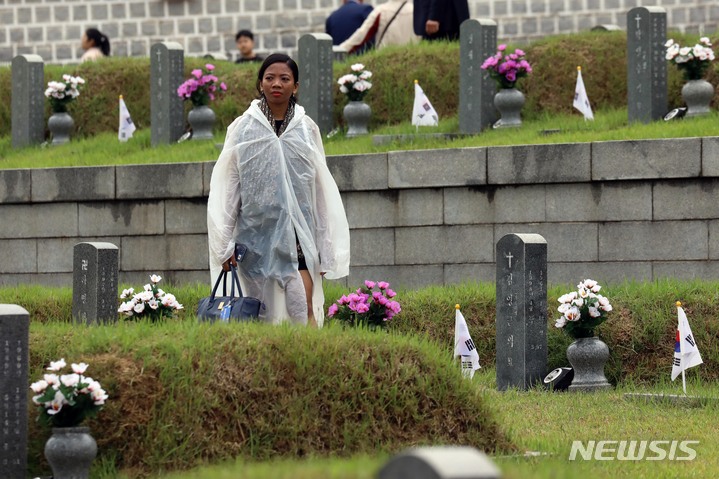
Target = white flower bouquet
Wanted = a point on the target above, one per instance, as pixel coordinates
(583, 310)
(62, 93)
(693, 61)
(151, 303)
(66, 400)
(356, 85)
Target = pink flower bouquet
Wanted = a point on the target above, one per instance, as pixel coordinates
(507, 68)
(367, 306)
(202, 87)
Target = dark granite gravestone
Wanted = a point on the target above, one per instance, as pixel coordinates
(28, 101)
(94, 283)
(521, 311)
(167, 114)
(440, 462)
(477, 42)
(646, 64)
(14, 386)
(316, 78)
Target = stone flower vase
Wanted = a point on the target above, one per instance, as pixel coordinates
(697, 95)
(587, 357)
(202, 120)
(60, 125)
(70, 452)
(356, 115)
(509, 103)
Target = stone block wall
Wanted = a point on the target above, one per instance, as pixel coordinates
(609, 210)
(52, 29)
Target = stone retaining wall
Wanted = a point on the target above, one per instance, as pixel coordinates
(52, 29)
(608, 210)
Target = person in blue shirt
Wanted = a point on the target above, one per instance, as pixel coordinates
(343, 22)
(439, 19)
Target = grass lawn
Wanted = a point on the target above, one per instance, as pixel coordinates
(544, 422)
(105, 149)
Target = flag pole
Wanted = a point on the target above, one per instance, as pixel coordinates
(684, 379)
(416, 129)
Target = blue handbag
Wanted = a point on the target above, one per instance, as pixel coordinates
(229, 308)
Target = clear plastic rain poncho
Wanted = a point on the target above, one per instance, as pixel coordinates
(269, 193)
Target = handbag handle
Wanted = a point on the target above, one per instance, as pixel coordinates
(222, 277)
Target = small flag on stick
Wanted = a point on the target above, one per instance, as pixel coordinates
(464, 346)
(686, 352)
(423, 113)
(581, 100)
(127, 127)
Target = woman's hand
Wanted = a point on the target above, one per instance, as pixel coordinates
(230, 261)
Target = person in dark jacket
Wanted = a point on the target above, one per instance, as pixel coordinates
(439, 19)
(343, 22)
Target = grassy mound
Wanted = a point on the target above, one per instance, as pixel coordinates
(602, 56)
(640, 331)
(183, 394)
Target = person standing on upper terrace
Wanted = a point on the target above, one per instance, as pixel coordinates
(95, 44)
(389, 23)
(439, 19)
(245, 42)
(344, 21)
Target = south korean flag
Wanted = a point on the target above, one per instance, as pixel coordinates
(464, 347)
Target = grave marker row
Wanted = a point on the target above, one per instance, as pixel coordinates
(646, 80)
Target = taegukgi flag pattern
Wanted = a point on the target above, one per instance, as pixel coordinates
(423, 113)
(581, 100)
(127, 127)
(464, 346)
(686, 352)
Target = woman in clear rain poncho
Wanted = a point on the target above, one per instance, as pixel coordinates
(271, 192)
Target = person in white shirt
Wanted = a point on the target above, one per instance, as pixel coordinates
(96, 45)
(389, 24)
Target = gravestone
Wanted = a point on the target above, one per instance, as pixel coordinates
(14, 338)
(521, 311)
(440, 462)
(339, 54)
(316, 78)
(94, 283)
(28, 101)
(477, 42)
(167, 113)
(646, 64)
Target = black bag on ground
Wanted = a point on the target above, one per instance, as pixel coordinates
(228, 308)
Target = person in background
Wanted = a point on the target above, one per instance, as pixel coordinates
(96, 45)
(273, 197)
(439, 19)
(389, 23)
(344, 21)
(245, 42)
